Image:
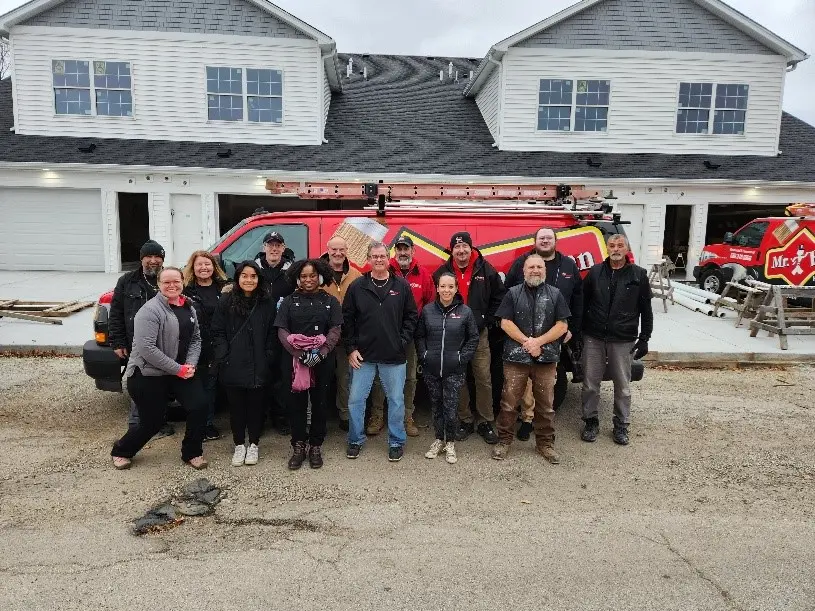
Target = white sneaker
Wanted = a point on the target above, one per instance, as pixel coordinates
(435, 449)
(450, 450)
(252, 455)
(239, 456)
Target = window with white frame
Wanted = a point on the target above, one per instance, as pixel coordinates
(72, 87)
(564, 107)
(113, 89)
(258, 98)
(109, 93)
(696, 100)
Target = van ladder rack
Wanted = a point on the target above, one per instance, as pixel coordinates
(492, 207)
(428, 191)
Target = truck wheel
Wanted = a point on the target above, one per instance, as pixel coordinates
(712, 281)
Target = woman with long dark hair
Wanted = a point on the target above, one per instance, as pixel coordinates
(166, 347)
(243, 340)
(203, 282)
(308, 324)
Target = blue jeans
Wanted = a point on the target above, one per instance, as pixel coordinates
(393, 382)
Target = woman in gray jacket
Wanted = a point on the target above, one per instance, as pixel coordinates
(166, 347)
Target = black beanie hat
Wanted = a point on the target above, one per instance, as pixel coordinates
(459, 238)
(151, 248)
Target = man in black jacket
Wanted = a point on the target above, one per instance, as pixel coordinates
(274, 261)
(562, 273)
(617, 324)
(482, 290)
(379, 318)
(132, 291)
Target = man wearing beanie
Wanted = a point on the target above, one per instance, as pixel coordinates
(482, 290)
(132, 291)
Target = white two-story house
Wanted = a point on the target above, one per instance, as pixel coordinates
(125, 119)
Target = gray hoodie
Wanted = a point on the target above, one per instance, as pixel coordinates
(155, 340)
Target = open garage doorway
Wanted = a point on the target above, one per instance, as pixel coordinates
(232, 209)
(134, 227)
(722, 218)
(678, 218)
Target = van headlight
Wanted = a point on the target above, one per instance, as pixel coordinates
(706, 254)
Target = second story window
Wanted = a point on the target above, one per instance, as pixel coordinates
(225, 94)
(696, 101)
(112, 83)
(564, 107)
(72, 87)
(257, 99)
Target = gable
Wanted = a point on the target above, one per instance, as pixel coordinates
(231, 17)
(665, 25)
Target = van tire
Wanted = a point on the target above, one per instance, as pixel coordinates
(712, 280)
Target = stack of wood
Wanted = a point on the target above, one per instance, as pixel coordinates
(742, 298)
(50, 312)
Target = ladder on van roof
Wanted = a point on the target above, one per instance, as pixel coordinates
(466, 198)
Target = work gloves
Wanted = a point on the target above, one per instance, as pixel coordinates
(310, 358)
(640, 349)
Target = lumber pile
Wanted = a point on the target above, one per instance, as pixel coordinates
(776, 316)
(50, 312)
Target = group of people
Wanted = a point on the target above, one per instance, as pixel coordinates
(283, 333)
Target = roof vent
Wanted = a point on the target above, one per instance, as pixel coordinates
(90, 148)
(593, 162)
(450, 70)
(223, 152)
(441, 75)
(712, 166)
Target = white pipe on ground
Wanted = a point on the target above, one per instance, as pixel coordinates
(692, 305)
(712, 297)
(698, 298)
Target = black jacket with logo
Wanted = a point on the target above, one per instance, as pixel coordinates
(379, 328)
(561, 273)
(486, 289)
(131, 293)
(205, 315)
(243, 353)
(614, 301)
(446, 337)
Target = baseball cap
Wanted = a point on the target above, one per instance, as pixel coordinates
(273, 236)
(404, 241)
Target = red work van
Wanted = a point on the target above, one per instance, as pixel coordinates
(501, 233)
(778, 250)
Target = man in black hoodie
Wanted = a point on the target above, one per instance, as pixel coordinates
(482, 290)
(379, 318)
(132, 291)
(617, 322)
(562, 273)
(274, 261)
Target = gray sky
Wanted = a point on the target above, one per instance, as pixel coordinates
(468, 28)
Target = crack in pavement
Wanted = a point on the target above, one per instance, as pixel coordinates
(723, 593)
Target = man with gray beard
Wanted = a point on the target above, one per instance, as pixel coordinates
(534, 316)
(132, 291)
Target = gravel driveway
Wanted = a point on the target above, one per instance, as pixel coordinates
(710, 507)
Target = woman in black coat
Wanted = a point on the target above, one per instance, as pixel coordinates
(243, 336)
(446, 339)
(204, 281)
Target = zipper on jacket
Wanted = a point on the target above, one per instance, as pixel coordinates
(443, 333)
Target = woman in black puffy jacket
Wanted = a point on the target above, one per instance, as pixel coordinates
(243, 337)
(446, 339)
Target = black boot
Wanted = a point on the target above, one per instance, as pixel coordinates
(315, 457)
(590, 430)
(298, 455)
(620, 435)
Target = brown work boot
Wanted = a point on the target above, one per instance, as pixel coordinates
(548, 452)
(298, 455)
(500, 451)
(375, 425)
(410, 427)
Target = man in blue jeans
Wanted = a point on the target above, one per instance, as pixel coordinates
(379, 318)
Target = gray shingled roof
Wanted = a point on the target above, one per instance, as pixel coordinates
(402, 119)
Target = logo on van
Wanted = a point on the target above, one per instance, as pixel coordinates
(794, 263)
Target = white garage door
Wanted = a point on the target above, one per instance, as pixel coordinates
(51, 229)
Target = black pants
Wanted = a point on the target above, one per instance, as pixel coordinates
(444, 396)
(151, 394)
(298, 401)
(245, 413)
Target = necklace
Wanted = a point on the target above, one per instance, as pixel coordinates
(152, 286)
(380, 286)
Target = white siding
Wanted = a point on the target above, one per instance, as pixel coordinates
(326, 100)
(644, 95)
(489, 101)
(169, 84)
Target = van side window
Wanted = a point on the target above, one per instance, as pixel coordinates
(751, 235)
(248, 245)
